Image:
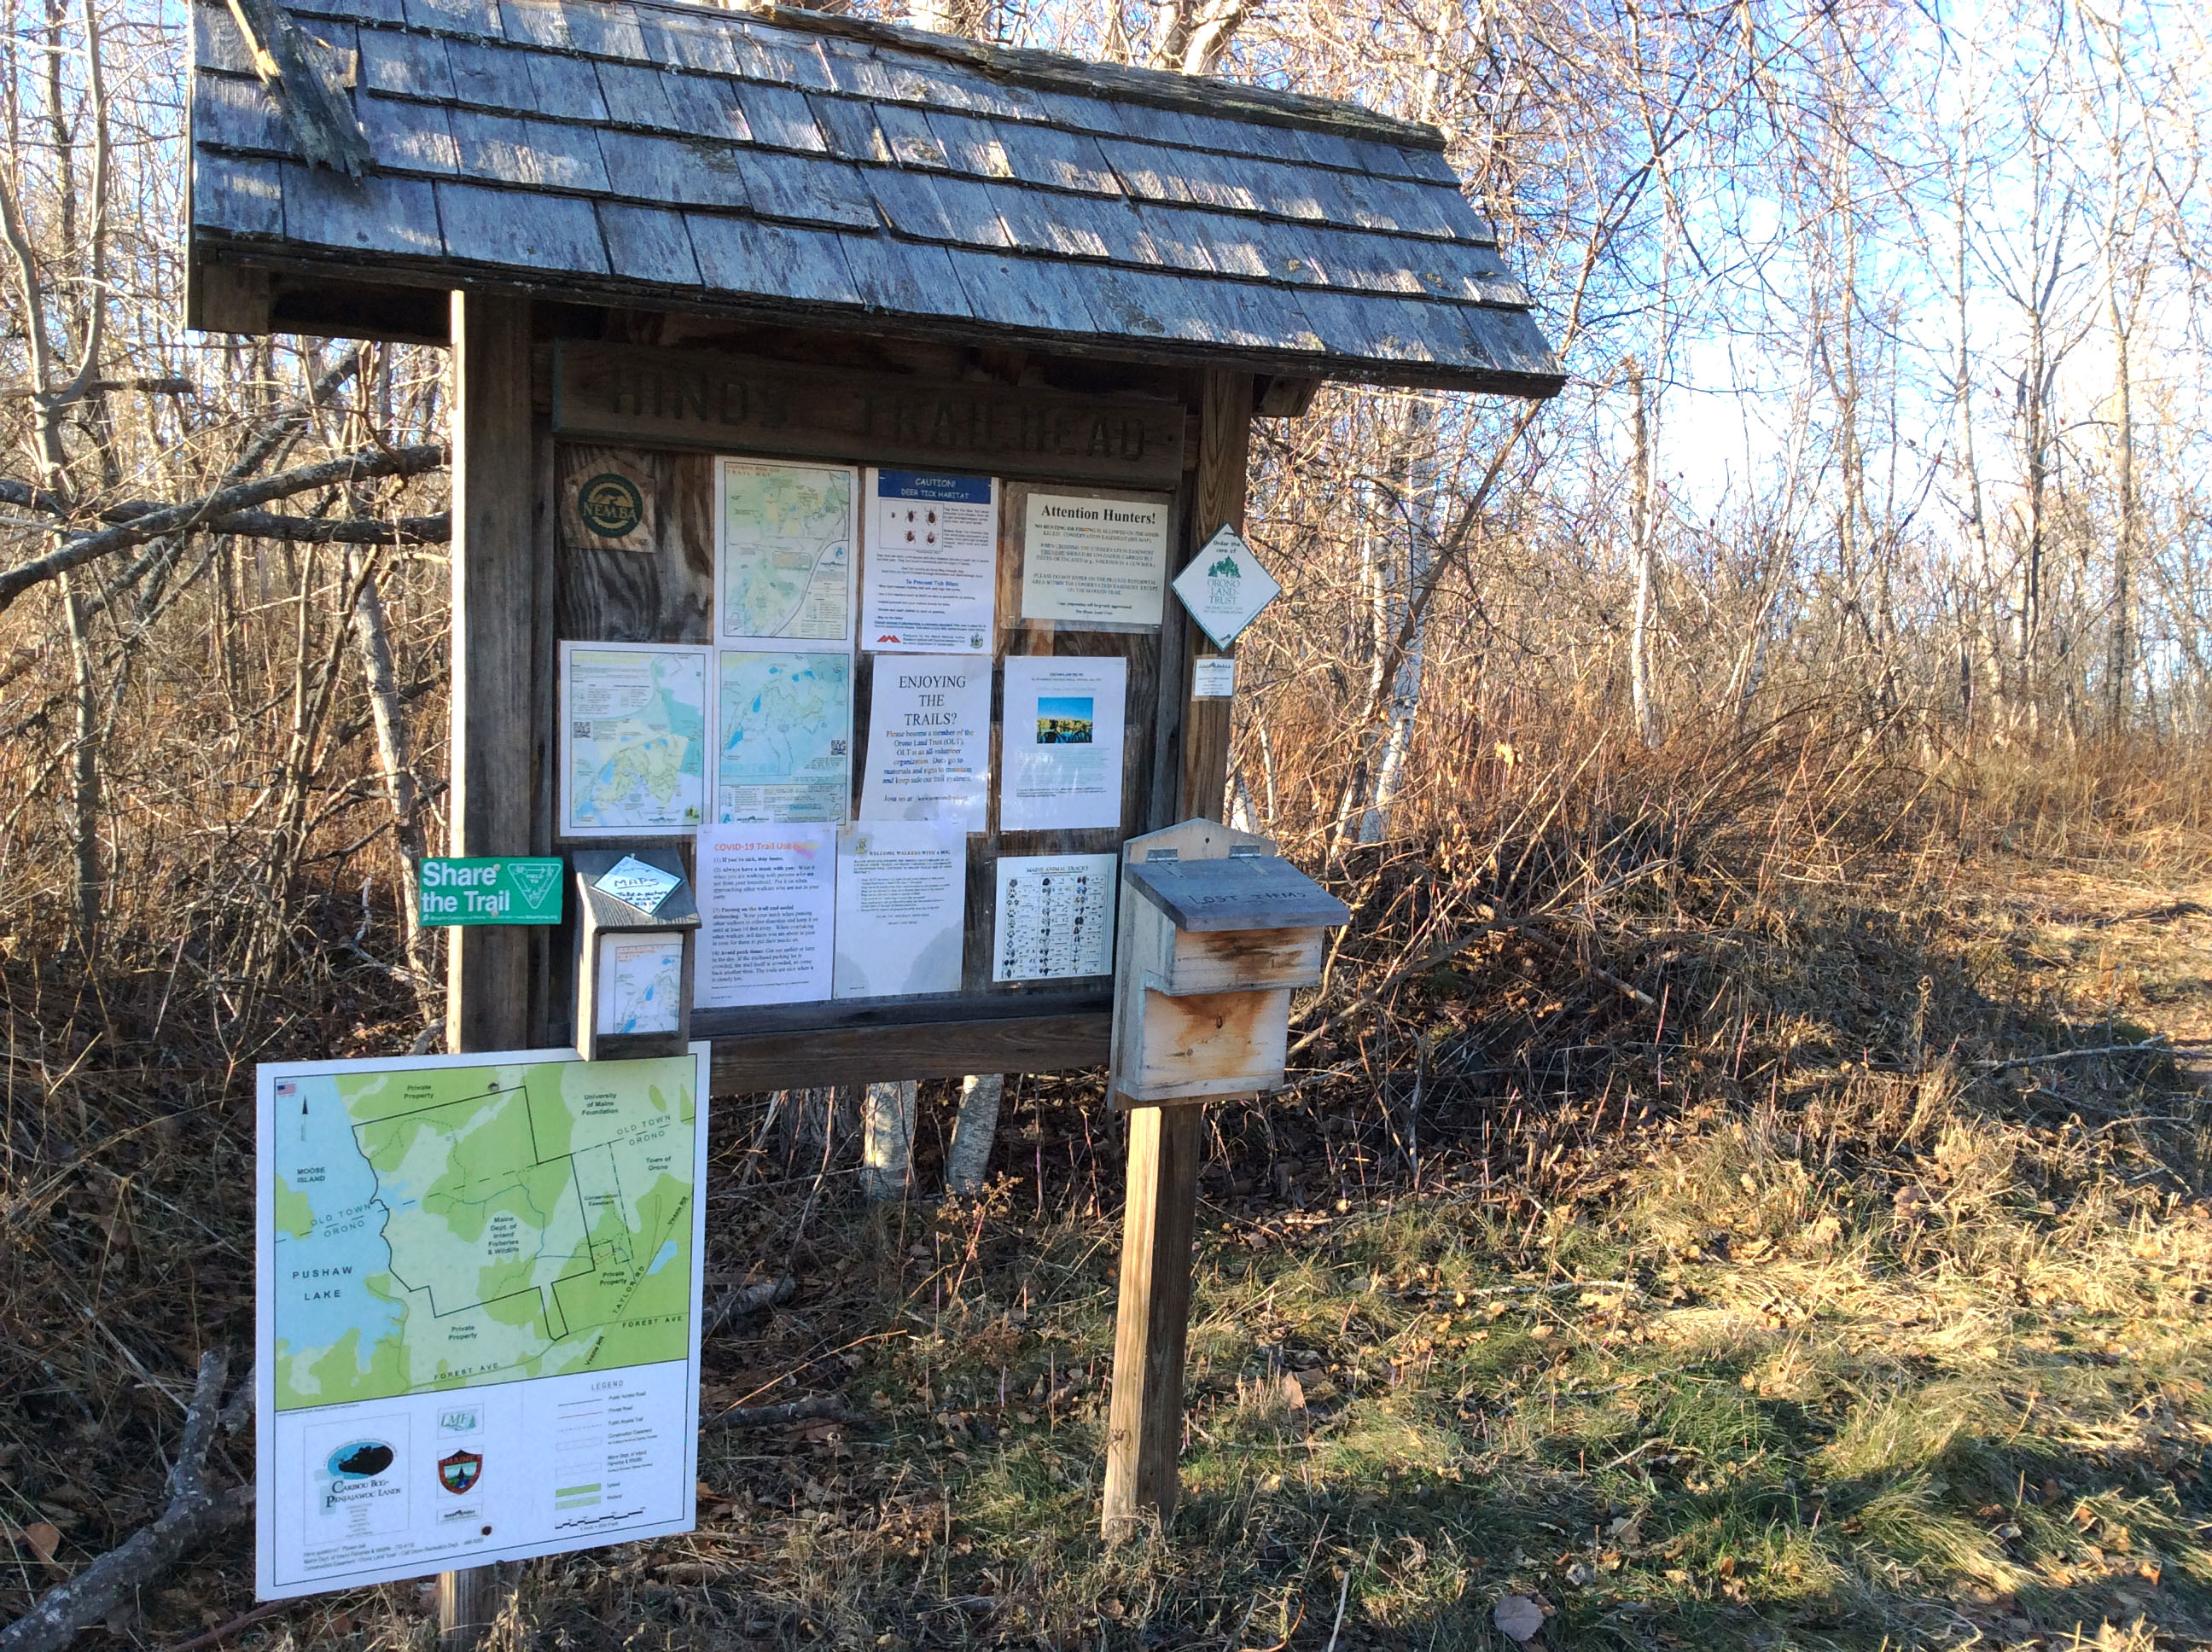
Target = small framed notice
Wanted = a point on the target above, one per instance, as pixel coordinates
(1213, 676)
(1094, 561)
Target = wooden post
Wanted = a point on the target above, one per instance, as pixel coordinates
(1152, 1328)
(1151, 1325)
(493, 745)
(1224, 450)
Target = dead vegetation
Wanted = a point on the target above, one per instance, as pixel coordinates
(1723, 1195)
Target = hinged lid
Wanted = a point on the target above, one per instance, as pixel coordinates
(678, 908)
(1244, 891)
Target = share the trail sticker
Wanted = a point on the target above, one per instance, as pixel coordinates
(488, 890)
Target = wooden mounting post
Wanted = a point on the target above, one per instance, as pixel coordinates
(493, 745)
(1152, 1328)
(1224, 451)
(1151, 1325)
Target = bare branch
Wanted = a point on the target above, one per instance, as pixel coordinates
(204, 511)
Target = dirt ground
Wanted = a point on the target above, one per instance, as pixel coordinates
(1865, 1310)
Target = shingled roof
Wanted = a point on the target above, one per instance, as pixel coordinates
(785, 165)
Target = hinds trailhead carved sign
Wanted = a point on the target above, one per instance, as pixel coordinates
(695, 398)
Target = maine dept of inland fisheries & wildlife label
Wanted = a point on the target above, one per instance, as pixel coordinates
(476, 1328)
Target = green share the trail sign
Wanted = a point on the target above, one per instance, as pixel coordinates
(488, 890)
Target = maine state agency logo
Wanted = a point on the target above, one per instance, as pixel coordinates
(460, 1472)
(610, 505)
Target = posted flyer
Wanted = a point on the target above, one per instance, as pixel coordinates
(766, 902)
(901, 909)
(1094, 561)
(929, 740)
(1060, 746)
(931, 584)
(1056, 916)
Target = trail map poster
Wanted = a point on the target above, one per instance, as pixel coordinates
(477, 1290)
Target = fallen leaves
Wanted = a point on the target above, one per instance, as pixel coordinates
(1518, 1617)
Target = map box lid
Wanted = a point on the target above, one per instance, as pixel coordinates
(678, 908)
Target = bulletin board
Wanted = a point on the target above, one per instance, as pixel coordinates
(883, 658)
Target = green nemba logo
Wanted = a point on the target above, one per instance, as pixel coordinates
(610, 505)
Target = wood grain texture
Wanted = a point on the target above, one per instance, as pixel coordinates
(655, 585)
(1151, 1329)
(946, 1049)
(1225, 447)
(494, 740)
(692, 398)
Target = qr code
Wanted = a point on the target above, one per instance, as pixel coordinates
(582, 731)
(836, 748)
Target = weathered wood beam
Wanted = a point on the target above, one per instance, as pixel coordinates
(494, 746)
(1151, 1325)
(1224, 451)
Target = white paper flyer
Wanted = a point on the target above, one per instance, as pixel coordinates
(902, 908)
(932, 579)
(1056, 916)
(768, 915)
(1094, 561)
(929, 740)
(1060, 749)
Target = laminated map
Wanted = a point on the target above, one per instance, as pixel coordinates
(477, 1288)
(460, 1225)
(635, 754)
(784, 563)
(784, 736)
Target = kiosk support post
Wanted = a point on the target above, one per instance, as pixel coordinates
(1151, 1325)
(486, 976)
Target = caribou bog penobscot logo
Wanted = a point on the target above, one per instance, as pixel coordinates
(610, 505)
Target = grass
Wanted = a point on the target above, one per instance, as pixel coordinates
(1783, 1317)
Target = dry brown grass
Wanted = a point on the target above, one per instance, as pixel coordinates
(1768, 1311)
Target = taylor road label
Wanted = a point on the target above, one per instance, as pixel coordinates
(488, 890)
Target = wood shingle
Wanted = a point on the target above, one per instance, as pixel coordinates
(791, 166)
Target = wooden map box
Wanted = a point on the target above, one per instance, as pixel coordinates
(1216, 932)
(604, 922)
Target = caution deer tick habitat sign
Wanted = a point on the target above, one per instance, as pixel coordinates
(503, 890)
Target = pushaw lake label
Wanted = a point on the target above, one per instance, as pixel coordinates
(477, 1287)
(491, 890)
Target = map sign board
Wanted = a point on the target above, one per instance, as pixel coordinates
(459, 891)
(784, 560)
(634, 739)
(477, 1301)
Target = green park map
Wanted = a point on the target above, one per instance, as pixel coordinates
(439, 1227)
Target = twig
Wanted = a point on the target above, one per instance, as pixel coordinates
(830, 1405)
(194, 1514)
(748, 1299)
(2158, 1041)
(223, 1632)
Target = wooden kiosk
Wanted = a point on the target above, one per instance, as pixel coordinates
(657, 236)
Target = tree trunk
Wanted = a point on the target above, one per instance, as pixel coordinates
(968, 1163)
(887, 1139)
(1639, 531)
